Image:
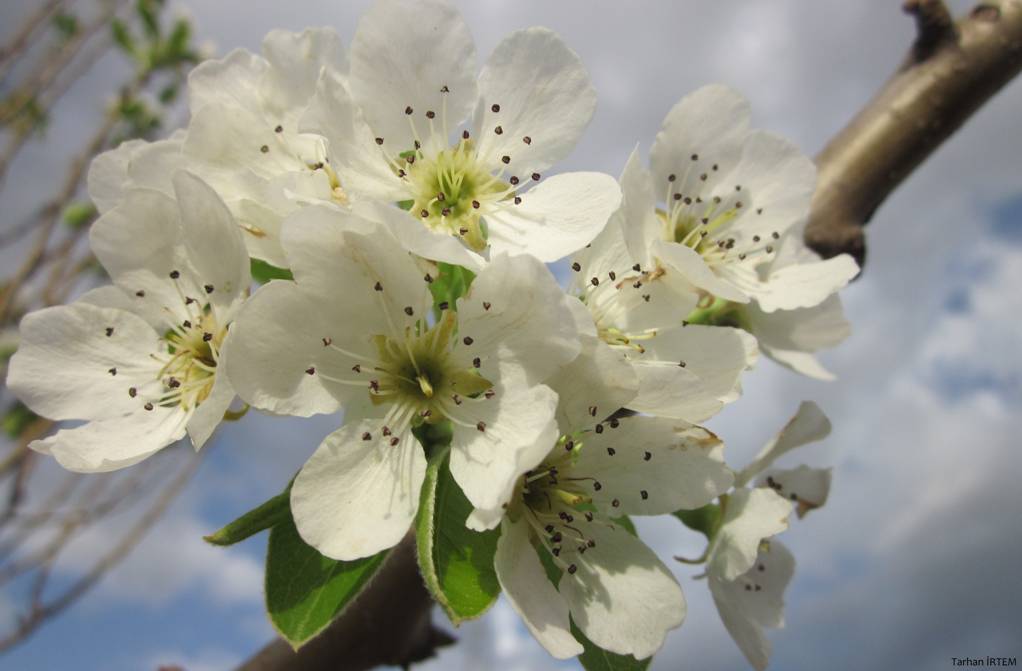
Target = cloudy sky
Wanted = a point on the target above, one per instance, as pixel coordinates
(916, 556)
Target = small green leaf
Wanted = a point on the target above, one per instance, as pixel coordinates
(271, 513)
(306, 591)
(405, 204)
(705, 520)
(77, 215)
(452, 282)
(66, 24)
(122, 37)
(263, 272)
(456, 562)
(147, 13)
(595, 658)
(626, 524)
(16, 419)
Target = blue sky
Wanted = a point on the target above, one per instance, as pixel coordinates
(915, 557)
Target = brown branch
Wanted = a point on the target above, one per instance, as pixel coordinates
(389, 623)
(951, 71)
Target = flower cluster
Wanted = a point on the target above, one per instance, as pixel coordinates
(402, 197)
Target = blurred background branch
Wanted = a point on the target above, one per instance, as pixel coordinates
(47, 262)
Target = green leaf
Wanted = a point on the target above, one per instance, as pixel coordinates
(306, 591)
(271, 513)
(595, 658)
(147, 13)
(122, 37)
(66, 24)
(456, 562)
(16, 419)
(77, 215)
(705, 520)
(626, 524)
(263, 272)
(180, 36)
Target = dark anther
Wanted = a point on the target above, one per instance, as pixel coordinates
(644, 494)
(410, 159)
(327, 342)
(677, 196)
(409, 311)
(367, 436)
(645, 297)
(386, 431)
(505, 159)
(409, 110)
(464, 134)
(476, 362)
(695, 157)
(109, 331)
(444, 89)
(599, 428)
(428, 278)
(430, 114)
(311, 370)
(378, 286)
(379, 140)
(140, 293)
(425, 214)
(498, 130)
(443, 305)
(394, 441)
(556, 552)
(611, 451)
(475, 204)
(278, 129)
(112, 371)
(527, 140)
(769, 249)
(592, 411)
(615, 503)
(775, 235)
(186, 324)
(486, 305)
(148, 406)
(672, 177)
(612, 275)
(576, 266)
(173, 383)
(569, 446)
(614, 423)
(518, 200)
(481, 425)
(572, 568)
(208, 288)
(264, 148)
(682, 364)
(489, 393)
(755, 238)
(761, 568)
(597, 486)
(646, 456)
(514, 180)
(637, 285)
(174, 274)
(495, 107)
(445, 212)
(637, 268)
(206, 337)
(467, 340)
(536, 176)
(132, 392)
(595, 281)
(357, 368)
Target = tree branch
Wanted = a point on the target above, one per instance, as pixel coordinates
(388, 623)
(950, 72)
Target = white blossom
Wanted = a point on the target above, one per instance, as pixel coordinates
(355, 331)
(747, 570)
(141, 361)
(413, 84)
(731, 194)
(243, 138)
(566, 506)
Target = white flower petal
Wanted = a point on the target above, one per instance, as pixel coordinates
(108, 174)
(114, 442)
(403, 54)
(62, 369)
(791, 336)
(637, 215)
(531, 594)
(596, 384)
(208, 414)
(275, 339)
(540, 90)
(139, 244)
(355, 497)
(418, 239)
(751, 516)
(755, 600)
(716, 356)
(807, 487)
(234, 78)
(214, 245)
(361, 164)
(497, 440)
(556, 217)
(296, 60)
(809, 425)
(686, 262)
(678, 466)
(622, 596)
(710, 123)
(804, 285)
(516, 312)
